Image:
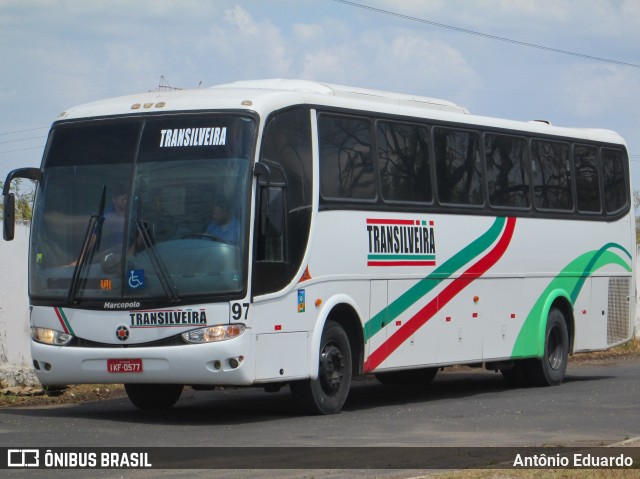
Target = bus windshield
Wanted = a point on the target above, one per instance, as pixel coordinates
(151, 209)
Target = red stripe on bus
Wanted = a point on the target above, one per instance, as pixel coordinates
(64, 326)
(401, 263)
(371, 221)
(425, 314)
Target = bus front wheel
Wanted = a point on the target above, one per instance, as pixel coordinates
(328, 393)
(551, 368)
(153, 396)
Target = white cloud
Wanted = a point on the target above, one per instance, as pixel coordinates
(58, 54)
(239, 18)
(247, 47)
(411, 62)
(602, 90)
(308, 33)
(396, 60)
(335, 65)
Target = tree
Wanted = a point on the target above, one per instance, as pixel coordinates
(24, 200)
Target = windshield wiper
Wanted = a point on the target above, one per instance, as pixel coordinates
(89, 246)
(169, 289)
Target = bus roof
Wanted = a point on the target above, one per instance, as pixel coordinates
(328, 89)
(264, 96)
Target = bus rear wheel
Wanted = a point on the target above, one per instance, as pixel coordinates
(551, 368)
(328, 393)
(153, 396)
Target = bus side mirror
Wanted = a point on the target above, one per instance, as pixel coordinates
(9, 220)
(271, 212)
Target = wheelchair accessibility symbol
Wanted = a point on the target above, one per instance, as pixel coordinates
(136, 278)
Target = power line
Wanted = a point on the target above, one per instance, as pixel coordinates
(487, 35)
(22, 139)
(23, 149)
(22, 131)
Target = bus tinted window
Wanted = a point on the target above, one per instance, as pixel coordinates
(587, 184)
(403, 162)
(287, 144)
(458, 166)
(93, 143)
(507, 172)
(346, 166)
(551, 175)
(615, 190)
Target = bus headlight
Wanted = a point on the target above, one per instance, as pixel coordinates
(214, 334)
(50, 336)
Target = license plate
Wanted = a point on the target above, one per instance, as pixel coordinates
(124, 365)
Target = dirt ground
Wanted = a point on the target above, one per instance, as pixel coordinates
(33, 397)
(77, 393)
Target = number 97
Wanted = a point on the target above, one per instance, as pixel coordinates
(239, 311)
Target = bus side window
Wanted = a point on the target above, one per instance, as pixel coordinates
(403, 162)
(346, 165)
(506, 160)
(458, 164)
(587, 178)
(551, 175)
(613, 174)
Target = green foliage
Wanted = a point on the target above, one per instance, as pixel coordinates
(24, 200)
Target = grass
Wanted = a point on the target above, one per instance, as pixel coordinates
(632, 348)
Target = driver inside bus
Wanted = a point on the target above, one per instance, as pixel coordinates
(114, 216)
(224, 225)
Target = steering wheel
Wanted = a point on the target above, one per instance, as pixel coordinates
(208, 236)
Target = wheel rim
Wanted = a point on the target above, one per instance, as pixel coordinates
(331, 369)
(555, 348)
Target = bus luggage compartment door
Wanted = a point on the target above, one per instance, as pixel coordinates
(282, 356)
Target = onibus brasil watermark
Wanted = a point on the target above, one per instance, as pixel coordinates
(27, 458)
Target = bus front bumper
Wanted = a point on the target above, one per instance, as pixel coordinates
(221, 363)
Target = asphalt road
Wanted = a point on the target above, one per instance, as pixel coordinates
(598, 404)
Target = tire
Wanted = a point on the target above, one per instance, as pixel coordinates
(551, 368)
(409, 377)
(328, 393)
(153, 396)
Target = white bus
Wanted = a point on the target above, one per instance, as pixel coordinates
(291, 232)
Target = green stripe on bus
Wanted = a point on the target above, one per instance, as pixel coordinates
(63, 316)
(592, 263)
(425, 285)
(570, 280)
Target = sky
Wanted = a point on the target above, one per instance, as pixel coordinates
(56, 54)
